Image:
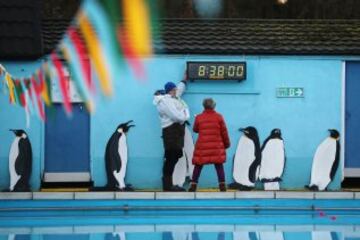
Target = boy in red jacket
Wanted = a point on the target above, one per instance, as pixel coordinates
(211, 144)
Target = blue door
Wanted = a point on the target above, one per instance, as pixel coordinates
(352, 120)
(67, 141)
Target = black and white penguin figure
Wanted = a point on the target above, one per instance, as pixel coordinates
(116, 156)
(247, 160)
(325, 162)
(184, 167)
(20, 162)
(272, 160)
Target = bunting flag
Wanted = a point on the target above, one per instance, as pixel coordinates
(47, 96)
(114, 16)
(36, 96)
(95, 53)
(78, 71)
(19, 92)
(45, 87)
(64, 88)
(136, 21)
(106, 39)
(10, 86)
(79, 46)
(105, 34)
(32, 97)
(2, 70)
(27, 107)
(124, 47)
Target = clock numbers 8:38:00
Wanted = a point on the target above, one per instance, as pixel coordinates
(220, 71)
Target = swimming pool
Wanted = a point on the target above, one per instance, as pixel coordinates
(187, 219)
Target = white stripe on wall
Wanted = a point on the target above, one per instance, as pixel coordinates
(67, 177)
(352, 172)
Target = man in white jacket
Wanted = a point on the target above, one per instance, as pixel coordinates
(173, 113)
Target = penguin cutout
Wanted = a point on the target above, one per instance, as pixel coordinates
(116, 156)
(184, 166)
(247, 160)
(272, 160)
(325, 162)
(20, 162)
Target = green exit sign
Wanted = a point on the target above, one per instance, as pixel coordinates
(290, 92)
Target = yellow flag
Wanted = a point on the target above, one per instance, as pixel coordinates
(45, 88)
(137, 26)
(11, 87)
(95, 53)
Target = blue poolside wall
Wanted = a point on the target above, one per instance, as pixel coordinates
(303, 121)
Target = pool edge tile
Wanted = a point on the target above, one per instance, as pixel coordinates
(16, 195)
(174, 195)
(254, 194)
(334, 195)
(53, 195)
(357, 195)
(135, 195)
(94, 195)
(215, 195)
(294, 195)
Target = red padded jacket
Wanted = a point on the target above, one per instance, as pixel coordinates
(213, 138)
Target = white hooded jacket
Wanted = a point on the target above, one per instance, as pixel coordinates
(172, 109)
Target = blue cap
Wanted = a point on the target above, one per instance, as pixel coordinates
(169, 86)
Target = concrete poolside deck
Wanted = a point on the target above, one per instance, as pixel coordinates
(345, 195)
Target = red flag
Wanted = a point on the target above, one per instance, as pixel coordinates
(81, 51)
(36, 87)
(130, 54)
(44, 88)
(62, 82)
(20, 92)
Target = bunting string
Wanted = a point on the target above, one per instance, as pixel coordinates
(106, 34)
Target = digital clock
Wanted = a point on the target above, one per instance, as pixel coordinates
(216, 70)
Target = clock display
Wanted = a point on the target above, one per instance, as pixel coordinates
(216, 70)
